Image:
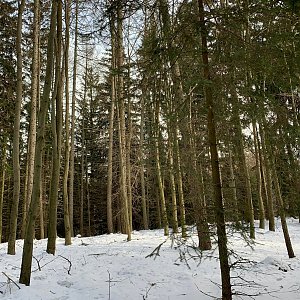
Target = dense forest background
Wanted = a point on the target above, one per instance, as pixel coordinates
(126, 115)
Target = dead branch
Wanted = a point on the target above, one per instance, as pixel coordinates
(70, 263)
(38, 262)
(155, 252)
(40, 267)
(10, 279)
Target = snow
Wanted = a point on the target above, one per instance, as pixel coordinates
(108, 267)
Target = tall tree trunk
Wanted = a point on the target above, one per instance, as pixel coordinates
(249, 212)
(72, 152)
(218, 201)
(232, 186)
(56, 121)
(83, 173)
(263, 176)
(33, 112)
(142, 168)
(179, 96)
(16, 137)
(41, 206)
(2, 186)
(284, 226)
(271, 153)
(128, 168)
(110, 227)
(197, 189)
(129, 132)
(122, 126)
(180, 187)
(267, 168)
(164, 216)
(67, 224)
(128, 161)
(201, 211)
(258, 179)
(88, 200)
(173, 187)
(34, 204)
(25, 201)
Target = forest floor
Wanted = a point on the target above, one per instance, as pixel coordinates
(108, 267)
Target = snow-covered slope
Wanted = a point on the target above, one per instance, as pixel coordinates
(108, 267)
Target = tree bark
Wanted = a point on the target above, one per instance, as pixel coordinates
(164, 215)
(284, 226)
(83, 183)
(16, 137)
(33, 112)
(197, 189)
(180, 187)
(110, 227)
(2, 186)
(67, 224)
(142, 168)
(232, 185)
(258, 179)
(172, 187)
(41, 206)
(34, 204)
(56, 122)
(268, 181)
(122, 125)
(72, 153)
(212, 139)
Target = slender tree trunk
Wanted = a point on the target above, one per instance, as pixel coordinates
(42, 225)
(232, 186)
(202, 222)
(263, 177)
(158, 205)
(268, 181)
(249, 212)
(142, 168)
(180, 187)
(271, 152)
(25, 201)
(45, 190)
(72, 153)
(129, 133)
(173, 188)
(218, 201)
(56, 121)
(122, 126)
(159, 174)
(88, 200)
(197, 189)
(258, 179)
(294, 166)
(32, 126)
(128, 161)
(16, 137)
(179, 95)
(67, 128)
(83, 173)
(110, 227)
(2, 186)
(284, 226)
(34, 204)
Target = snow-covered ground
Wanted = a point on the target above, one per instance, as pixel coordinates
(108, 267)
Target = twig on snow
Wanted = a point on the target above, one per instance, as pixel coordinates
(155, 252)
(10, 279)
(148, 290)
(70, 263)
